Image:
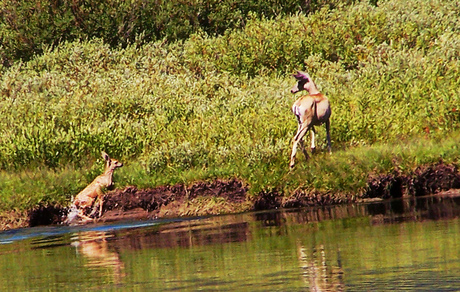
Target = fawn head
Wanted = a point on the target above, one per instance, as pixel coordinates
(111, 163)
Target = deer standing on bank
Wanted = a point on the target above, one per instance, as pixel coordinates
(310, 110)
(94, 191)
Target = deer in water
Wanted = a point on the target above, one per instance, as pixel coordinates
(94, 191)
(310, 110)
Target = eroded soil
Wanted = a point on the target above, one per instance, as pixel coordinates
(231, 196)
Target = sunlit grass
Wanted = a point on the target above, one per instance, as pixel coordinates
(344, 172)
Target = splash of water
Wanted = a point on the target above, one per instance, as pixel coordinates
(72, 215)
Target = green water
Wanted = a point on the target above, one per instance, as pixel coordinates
(403, 245)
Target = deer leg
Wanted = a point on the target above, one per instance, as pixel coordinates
(313, 132)
(294, 145)
(301, 142)
(299, 128)
(95, 208)
(83, 216)
(303, 149)
(294, 151)
(328, 136)
(298, 137)
(100, 207)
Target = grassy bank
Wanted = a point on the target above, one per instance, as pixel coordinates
(346, 172)
(212, 106)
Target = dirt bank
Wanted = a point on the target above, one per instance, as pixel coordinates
(231, 196)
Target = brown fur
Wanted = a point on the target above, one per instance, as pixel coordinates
(87, 197)
(310, 110)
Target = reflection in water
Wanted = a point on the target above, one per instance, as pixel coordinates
(318, 268)
(94, 246)
(318, 273)
(391, 211)
(415, 209)
(332, 248)
(183, 234)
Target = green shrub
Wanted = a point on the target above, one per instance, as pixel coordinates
(29, 26)
(349, 36)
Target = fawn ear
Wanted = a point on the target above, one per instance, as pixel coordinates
(105, 156)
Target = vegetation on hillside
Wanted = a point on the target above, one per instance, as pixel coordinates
(29, 26)
(216, 102)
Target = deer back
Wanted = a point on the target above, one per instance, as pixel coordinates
(312, 108)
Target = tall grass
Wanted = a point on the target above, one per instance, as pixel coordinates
(218, 106)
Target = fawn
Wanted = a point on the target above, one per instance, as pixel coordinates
(94, 191)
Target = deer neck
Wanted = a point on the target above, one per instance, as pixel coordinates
(312, 90)
(108, 177)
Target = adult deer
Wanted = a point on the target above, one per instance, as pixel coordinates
(94, 191)
(310, 110)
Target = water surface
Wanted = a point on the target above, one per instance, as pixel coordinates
(410, 244)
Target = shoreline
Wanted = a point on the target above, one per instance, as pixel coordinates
(231, 196)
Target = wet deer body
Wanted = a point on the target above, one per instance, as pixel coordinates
(310, 110)
(95, 190)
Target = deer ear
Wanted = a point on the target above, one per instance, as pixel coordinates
(300, 75)
(105, 156)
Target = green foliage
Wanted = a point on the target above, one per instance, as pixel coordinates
(218, 106)
(28, 25)
(348, 36)
(130, 103)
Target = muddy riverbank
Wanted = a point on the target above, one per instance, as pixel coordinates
(231, 196)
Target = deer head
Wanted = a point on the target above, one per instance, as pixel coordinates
(111, 164)
(304, 82)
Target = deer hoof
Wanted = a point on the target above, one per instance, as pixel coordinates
(313, 150)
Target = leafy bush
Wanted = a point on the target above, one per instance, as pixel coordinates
(348, 36)
(29, 26)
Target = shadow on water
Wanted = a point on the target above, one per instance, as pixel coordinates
(391, 211)
(319, 268)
